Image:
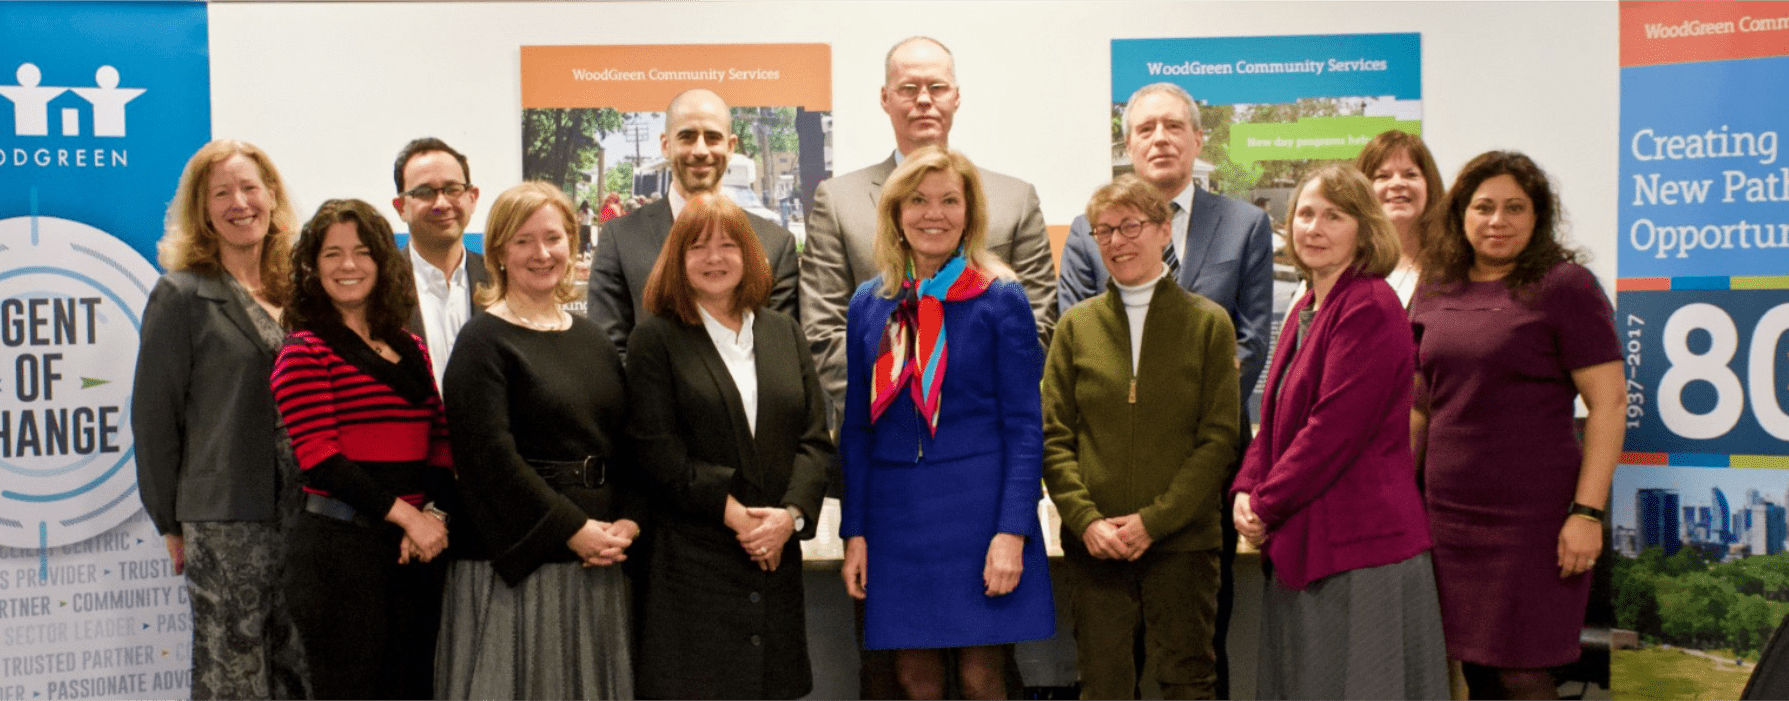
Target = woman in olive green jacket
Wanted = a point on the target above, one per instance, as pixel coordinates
(1140, 425)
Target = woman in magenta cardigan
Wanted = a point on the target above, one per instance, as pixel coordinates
(1328, 487)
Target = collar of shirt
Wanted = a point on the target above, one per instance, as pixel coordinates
(724, 336)
(430, 278)
(899, 158)
(677, 201)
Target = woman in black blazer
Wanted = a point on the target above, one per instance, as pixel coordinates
(214, 468)
(730, 425)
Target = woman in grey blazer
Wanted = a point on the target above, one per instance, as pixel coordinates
(729, 423)
(214, 467)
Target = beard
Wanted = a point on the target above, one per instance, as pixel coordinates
(691, 183)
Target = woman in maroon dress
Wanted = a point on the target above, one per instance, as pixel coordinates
(1510, 330)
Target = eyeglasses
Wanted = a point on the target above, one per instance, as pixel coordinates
(1130, 228)
(424, 193)
(938, 91)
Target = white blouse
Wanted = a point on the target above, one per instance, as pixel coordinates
(738, 354)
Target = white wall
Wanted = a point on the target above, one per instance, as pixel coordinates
(333, 90)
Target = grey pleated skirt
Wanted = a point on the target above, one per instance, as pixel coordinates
(1362, 634)
(561, 634)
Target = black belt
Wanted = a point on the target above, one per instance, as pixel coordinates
(590, 472)
(339, 510)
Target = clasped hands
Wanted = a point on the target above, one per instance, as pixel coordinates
(425, 534)
(599, 543)
(1248, 525)
(1117, 538)
(762, 531)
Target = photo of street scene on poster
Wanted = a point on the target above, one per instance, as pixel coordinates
(1700, 578)
(610, 163)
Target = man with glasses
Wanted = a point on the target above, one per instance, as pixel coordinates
(436, 198)
(1220, 248)
(920, 95)
(697, 141)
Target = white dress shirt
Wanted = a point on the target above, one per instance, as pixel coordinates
(445, 303)
(738, 354)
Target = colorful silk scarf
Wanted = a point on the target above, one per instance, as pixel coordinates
(912, 353)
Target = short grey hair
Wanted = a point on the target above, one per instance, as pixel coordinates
(1165, 88)
(888, 60)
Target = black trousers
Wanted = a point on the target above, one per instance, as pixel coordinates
(368, 624)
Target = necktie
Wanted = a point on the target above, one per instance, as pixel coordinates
(1168, 257)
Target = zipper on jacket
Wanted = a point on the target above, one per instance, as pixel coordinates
(919, 436)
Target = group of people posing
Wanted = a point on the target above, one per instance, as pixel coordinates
(318, 409)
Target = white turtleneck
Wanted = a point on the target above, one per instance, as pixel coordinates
(1136, 307)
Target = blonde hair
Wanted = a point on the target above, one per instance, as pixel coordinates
(511, 210)
(891, 245)
(190, 241)
(1375, 239)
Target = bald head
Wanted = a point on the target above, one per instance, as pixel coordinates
(698, 139)
(920, 94)
(695, 99)
(918, 47)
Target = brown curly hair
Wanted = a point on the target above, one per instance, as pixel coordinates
(1447, 261)
(394, 290)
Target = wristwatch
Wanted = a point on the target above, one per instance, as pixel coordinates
(801, 522)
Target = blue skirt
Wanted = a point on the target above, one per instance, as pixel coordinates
(927, 529)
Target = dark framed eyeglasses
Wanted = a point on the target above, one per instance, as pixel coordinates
(1129, 227)
(425, 193)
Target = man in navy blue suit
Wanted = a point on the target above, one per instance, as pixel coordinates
(1223, 247)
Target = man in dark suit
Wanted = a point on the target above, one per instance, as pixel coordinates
(1220, 248)
(920, 95)
(436, 198)
(698, 139)
(1223, 247)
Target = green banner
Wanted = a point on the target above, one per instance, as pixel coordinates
(1309, 138)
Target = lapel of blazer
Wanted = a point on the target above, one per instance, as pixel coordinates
(475, 276)
(776, 357)
(722, 381)
(1202, 226)
(212, 287)
(658, 221)
(878, 177)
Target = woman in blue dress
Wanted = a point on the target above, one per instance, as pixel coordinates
(942, 439)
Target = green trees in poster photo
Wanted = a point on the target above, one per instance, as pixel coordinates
(1687, 601)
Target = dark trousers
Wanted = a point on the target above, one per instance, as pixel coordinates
(368, 624)
(1170, 596)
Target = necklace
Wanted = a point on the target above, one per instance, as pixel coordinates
(558, 318)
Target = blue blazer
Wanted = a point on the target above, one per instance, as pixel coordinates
(1228, 260)
(991, 400)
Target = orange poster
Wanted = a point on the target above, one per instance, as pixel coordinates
(593, 117)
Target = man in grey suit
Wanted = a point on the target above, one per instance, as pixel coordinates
(920, 95)
(436, 199)
(698, 139)
(1221, 249)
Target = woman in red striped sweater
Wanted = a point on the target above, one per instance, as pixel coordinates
(367, 426)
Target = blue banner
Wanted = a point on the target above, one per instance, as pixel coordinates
(1707, 375)
(1255, 70)
(101, 104)
(1703, 190)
